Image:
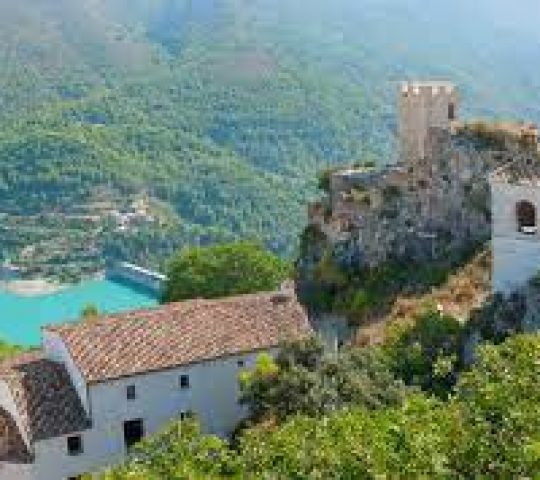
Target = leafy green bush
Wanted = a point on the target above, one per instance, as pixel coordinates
(427, 351)
(305, 381)
(223, 270)
(178, 452)
(499, 400)
(489, 429)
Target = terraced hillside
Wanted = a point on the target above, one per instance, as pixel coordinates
(219, 113)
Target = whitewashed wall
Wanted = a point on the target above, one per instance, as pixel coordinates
(10, 471)
(56, 350)
(516, 256)
(212, 396)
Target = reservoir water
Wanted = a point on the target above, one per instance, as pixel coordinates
(21, 317)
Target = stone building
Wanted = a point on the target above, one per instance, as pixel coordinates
(423, 106)
(455, 184)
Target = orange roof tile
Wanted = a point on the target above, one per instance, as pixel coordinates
(182, 333)
(46, 401)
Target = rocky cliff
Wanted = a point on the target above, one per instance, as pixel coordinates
(379, 232)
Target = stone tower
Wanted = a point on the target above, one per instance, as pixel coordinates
(515, 197)
(422, 106)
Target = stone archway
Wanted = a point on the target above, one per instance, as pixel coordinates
(526, 216)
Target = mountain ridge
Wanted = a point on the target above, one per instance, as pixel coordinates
(223, 110)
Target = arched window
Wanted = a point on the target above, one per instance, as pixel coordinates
(526, 217)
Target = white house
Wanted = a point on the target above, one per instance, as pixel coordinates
(98, 387)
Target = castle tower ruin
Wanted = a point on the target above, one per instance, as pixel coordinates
(422, 106)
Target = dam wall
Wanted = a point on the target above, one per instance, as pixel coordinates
(138, 276)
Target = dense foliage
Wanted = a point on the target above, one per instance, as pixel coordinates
(221, 111)
(304, 380)
(223, 270)
(330, 280)
(8, 350)
(427, 351)
(490, 428)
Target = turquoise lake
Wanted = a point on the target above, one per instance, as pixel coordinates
(22, 317)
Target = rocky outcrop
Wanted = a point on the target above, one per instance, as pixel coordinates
(419, 214)
(430, 208)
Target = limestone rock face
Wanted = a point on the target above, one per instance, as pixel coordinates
(419, 209)
(433, 204)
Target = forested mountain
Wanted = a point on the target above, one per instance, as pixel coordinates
(223, 111)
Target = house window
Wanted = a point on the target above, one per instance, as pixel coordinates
(241, 363)
(133, 432)
(526, 217)
(131, 393)
(74, 445)
(186, 415)
(184, 381)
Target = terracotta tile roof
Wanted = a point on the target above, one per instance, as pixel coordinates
(45, 399)
(182, 333)
(14, 448)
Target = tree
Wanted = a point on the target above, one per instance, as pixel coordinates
(500, 400)
(89, 312)
(426, 352)
(178, 452)
(223, 270)
(304, 380)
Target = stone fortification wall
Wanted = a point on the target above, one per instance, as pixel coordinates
(436, 201)
(422, 106)
(416, 212)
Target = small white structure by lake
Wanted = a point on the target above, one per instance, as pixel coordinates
(137, 275)
(9, 272)
(96, 388)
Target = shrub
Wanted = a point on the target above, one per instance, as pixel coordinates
(426, 352)
(306, 381)
(223, 270)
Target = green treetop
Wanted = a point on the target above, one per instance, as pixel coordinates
(223, 270)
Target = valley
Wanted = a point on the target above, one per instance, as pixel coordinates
(221, 113)
(245, 239)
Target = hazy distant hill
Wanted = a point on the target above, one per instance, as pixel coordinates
(226, 109)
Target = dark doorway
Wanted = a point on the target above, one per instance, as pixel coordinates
(526, 216)
(451, 111)
(133, 432)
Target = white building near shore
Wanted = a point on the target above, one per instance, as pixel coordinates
(96, 388)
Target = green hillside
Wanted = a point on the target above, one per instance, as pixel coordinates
(221, 112)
